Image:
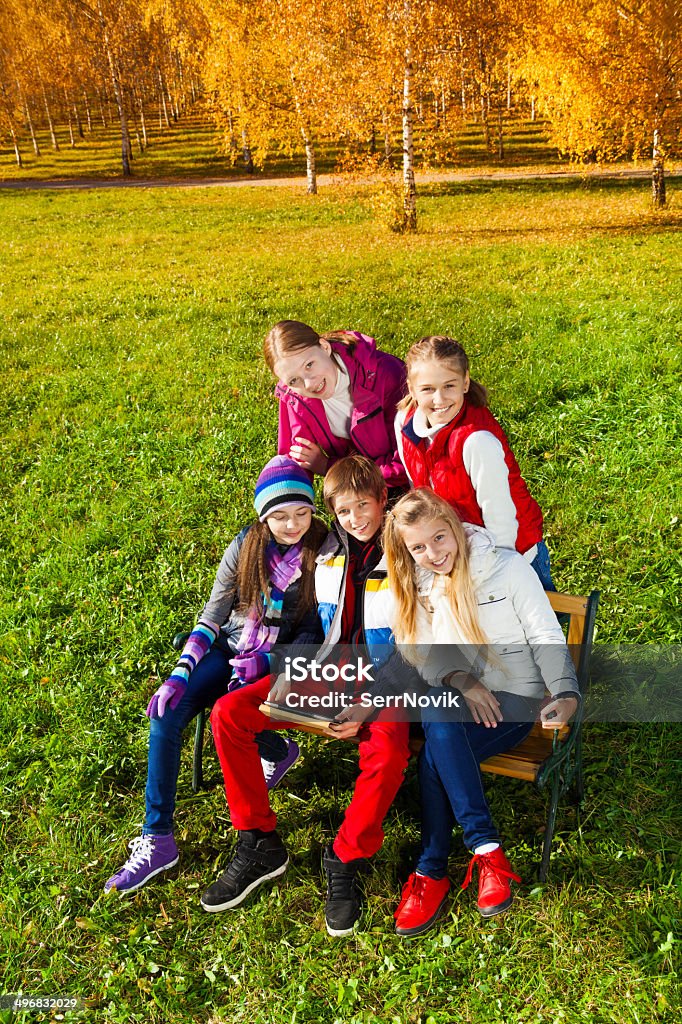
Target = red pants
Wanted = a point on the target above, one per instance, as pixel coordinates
(384, 753)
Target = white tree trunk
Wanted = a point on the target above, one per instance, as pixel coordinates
(29, 119)
(310, 164)
(658, 171)
(388, 148)
(10, 124)
(163, 109)
(409, 186)
(246, 152)
(143, 121)
(79, 123)
(53, 137)
(29, 122)
(68, 118)
(88, 113)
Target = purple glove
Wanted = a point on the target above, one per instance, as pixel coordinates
(249, 667)
(171, 692)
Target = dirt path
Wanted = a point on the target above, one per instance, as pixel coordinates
(324, 180)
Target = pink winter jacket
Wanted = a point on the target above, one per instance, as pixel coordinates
(377, 383)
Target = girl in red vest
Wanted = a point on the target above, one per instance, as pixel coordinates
(449, 441)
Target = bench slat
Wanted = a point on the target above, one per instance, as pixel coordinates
(503, 764)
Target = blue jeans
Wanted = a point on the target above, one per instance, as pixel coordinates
(450, 778)
(542, 567)
(207, 683)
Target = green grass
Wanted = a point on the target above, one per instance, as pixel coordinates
(137, 414)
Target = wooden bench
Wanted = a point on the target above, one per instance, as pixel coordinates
(550, 758)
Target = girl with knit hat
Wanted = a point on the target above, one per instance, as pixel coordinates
(263, 598)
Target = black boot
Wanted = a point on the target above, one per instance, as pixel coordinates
(258, 857)
(344, 902)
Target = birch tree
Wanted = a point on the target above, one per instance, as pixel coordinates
(610, 75)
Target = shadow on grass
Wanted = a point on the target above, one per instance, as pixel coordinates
(559, 184)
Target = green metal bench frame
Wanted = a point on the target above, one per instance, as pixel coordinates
(179, 641)
(553, 759)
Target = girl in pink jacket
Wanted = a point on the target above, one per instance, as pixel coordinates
(337, 395)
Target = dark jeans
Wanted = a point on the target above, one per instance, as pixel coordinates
(450, 777)
(207, 683)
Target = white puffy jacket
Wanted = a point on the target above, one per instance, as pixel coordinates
(530, 652)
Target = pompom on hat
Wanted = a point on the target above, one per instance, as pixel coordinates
(282, 482)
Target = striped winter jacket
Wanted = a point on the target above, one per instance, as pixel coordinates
(330, 588)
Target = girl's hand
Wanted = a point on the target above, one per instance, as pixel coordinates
(249, 667)
(169, 693)
(558, 712)
(309, 455)
(483, 705)
(279, 689)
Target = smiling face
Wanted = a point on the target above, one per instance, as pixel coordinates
(438, 390)
(432, 545)
(287, 525)
(360, 515)
(310, 372)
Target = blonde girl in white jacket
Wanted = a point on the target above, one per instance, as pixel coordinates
(475, 617)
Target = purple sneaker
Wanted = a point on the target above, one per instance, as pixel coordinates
(150, 856)
(274, 771)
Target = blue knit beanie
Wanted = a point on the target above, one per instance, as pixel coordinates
(282, 482)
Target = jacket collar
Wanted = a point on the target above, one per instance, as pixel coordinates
(441, 438)
(337, 544)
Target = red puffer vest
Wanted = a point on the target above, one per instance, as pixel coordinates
(440, 466)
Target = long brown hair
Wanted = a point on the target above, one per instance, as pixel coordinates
(441, 349)
(293, 336)
(253, 579)
(417, 506)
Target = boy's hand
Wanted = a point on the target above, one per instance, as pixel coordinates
(309, 455)
(558, 712)
(349, 722)
(344, 730)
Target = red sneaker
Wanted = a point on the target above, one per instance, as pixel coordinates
(494, 878)
(421, 904)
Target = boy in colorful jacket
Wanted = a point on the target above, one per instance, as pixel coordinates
(355, 606)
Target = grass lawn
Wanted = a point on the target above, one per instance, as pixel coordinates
(137, 415)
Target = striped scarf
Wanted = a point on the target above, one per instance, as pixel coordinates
(260, 631)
